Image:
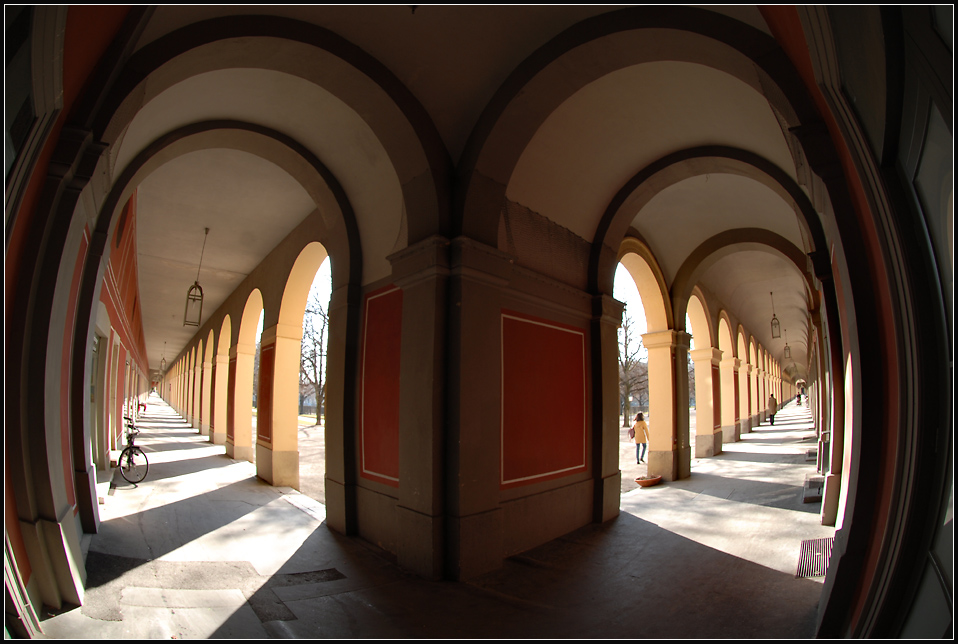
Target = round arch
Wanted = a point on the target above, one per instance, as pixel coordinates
(579, 56)
(729, 375)
(206, 391)
(638, 259)
(744, 382)
(319, 56)
(277, 451)
(239, 429)
(669, 452)
(220, 382)
(706, 358)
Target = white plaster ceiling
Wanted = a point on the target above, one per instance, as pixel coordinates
(750, 282)
(703, 206)
(614, 127)
(248, 204)
(452, 59)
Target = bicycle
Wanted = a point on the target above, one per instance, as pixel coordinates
(133, 462)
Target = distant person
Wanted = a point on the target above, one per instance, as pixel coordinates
(640, 432)
(772, 409)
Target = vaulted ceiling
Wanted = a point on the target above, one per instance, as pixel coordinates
(452, 60)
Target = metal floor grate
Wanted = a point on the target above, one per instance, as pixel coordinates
(814, 556)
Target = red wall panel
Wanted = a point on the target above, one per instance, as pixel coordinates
(264, 400)
(379, 398)
(543, 429)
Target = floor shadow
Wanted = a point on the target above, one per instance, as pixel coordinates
(626, 578)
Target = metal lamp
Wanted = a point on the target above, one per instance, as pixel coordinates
(194, 297)
(776, 326)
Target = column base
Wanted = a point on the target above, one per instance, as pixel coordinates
(730, 434)
(421, 537)
(707, 445)
(239, 452)
(87, 500)
(608, 506)
(475, 545)
(277, 468)
(671, 465)
(62, 578)
(830, 497)
(336, 516)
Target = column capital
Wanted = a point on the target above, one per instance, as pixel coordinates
(280, 330)
(420, 261)
(668, 338)
(607, 309)
(242, 349)
(732, 362)
(711, 354)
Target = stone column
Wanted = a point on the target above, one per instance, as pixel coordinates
(206, 393)
(708, 402)
(607, 317)
(218, 398)
(239, 433)
(422, 272)
(277, 412)
(756, 415)
(342, 360)
(745, 398)
(669, 450)
(729, 373)
(197, 383)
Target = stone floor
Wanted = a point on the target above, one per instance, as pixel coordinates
(203, 549)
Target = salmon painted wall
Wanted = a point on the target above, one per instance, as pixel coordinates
(89, 31)
(787, 29)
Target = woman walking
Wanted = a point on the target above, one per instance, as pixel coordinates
(640, 432)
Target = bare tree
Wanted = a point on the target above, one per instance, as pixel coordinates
(691, 368)
(312, 372)
(633, 373)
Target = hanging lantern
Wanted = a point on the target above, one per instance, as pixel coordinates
(776, 326)
(194, 306)
(193, 314)
(163, 360)
(788, 352)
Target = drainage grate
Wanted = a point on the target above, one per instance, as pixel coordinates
(814, 556)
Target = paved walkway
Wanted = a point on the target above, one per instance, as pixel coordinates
(203, 549)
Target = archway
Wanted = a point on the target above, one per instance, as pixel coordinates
(706, 358)
(669, 450)
(206, 389)
(744, 383)
(312, 425)
(239, 430)
(220, 378)
(729, 379)
(277, 453)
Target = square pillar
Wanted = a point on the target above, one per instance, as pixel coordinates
(729, 374)
(708, 402)
(670, 454)
(422, 272)
(220, 378)
(239, 432)
(277, 417)
(607, 317)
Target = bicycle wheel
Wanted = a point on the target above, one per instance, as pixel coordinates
(133, 464)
